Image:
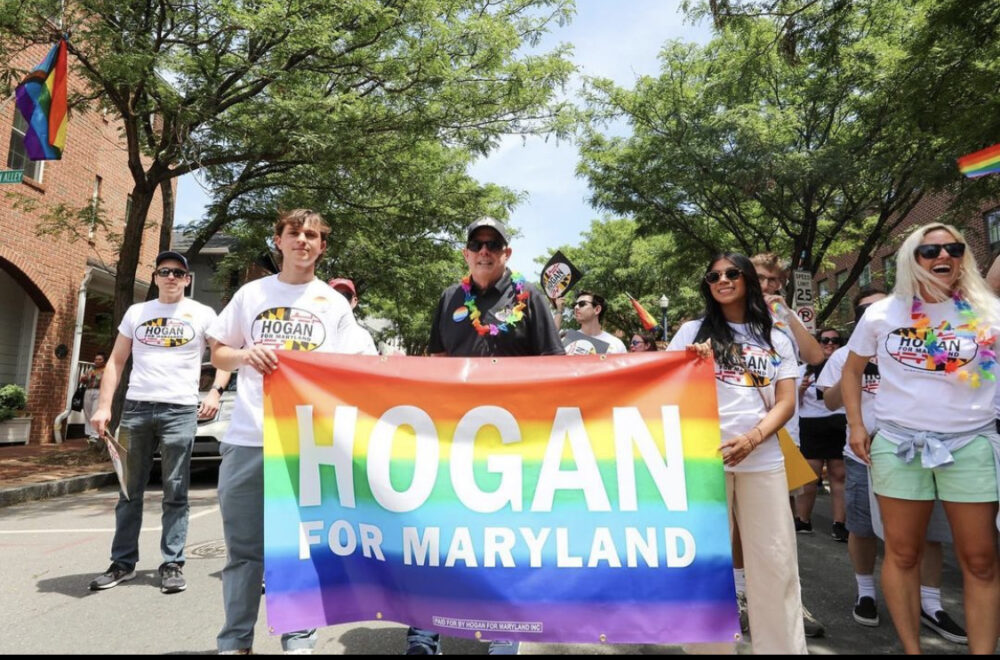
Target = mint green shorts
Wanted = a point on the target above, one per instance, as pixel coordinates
(971, 478)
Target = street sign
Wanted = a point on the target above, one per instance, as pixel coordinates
(803, 302)
(11, 176)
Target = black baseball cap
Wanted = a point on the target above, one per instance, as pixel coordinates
(170, 254)
(493, 224)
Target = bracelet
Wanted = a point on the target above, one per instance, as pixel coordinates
(754, 445)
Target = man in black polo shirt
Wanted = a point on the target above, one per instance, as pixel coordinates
(492, 312)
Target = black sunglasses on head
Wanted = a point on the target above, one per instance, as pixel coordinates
(167, 272)
(932, 250)
(732, 274)
(493, 245)
(830, 340)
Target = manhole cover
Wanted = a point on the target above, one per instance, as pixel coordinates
(207, 550)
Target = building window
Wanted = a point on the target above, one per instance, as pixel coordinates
(128, 208)
(865, 278)
(17, 157)
(844, 307)
(993, 228)
(889, 270)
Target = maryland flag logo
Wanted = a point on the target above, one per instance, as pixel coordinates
(289, 329)
(165, 332)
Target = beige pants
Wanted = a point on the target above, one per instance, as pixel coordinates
(759, 503)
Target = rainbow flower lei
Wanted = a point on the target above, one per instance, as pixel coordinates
(512, 318)
(937, 354)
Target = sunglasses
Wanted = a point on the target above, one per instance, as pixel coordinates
(582, 303)
(167, 272)
(637, 342)
(932, 250)
(830, 340)
(732, 274)
(492, 245)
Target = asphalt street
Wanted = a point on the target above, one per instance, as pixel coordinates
(51, 549)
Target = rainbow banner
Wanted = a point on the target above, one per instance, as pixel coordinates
(41, 99)
(539, 499)
(985, 161)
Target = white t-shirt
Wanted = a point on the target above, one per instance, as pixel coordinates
(741, 405)
(359, 341)
(911, 393)
(615, 345)
(831, 375)
(268, 312)
(168, 342)
(810, 405)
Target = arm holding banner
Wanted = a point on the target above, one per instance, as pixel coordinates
(736, 449)
(850, 385)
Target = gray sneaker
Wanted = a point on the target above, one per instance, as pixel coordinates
(115, 574)
(503, 647)
(171, 578)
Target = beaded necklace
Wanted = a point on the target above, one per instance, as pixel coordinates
(973, 328)
(513, 316)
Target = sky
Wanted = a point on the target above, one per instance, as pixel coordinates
(611, 39)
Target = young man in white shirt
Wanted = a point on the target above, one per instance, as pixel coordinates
(292, 310)
(166, 338)
(588, 310)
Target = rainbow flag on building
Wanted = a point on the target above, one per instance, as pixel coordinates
(41, 99)
(985, 161)
(533, 499)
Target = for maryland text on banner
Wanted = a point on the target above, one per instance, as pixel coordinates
(561, 499)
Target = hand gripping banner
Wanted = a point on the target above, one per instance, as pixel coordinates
(559, 499)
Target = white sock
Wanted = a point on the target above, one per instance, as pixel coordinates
(930, 599)
(740, 576)
(866, 586)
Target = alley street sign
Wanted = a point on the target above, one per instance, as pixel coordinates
(11, 176)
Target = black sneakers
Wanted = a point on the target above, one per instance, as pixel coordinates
(115, 574)
(803, 527)
(865, 612)
(839, 532)
(943, 625)
(171, 578)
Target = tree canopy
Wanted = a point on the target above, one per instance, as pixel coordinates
(788, 132)
(271, 97)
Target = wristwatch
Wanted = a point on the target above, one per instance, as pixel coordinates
(219, 389)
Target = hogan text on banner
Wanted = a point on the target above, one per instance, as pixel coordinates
(540, 499)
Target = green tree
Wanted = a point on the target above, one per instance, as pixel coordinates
(785, 133)
(616, 261)
(272, 85)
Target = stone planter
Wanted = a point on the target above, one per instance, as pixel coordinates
(15, 431)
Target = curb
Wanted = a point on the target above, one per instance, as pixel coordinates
(48, 489)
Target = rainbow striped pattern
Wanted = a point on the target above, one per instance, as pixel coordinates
(41, 98)
(985, 161)
(545, 602)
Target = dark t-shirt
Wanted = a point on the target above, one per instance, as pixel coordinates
(535, 334)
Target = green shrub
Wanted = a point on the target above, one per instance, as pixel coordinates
(13, 399)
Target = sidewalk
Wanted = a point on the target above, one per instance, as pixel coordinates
(34, 471)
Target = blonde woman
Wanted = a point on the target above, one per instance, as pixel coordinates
(934, 338)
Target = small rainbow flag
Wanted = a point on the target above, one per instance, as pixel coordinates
(985, 161)
(41, 98)
(647, 320)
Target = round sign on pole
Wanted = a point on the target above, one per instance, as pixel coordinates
(808, 317)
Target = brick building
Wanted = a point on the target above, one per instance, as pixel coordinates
(981, 230)
(56, 290)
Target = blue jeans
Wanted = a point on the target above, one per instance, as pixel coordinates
(146, 425)
(241, 499)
